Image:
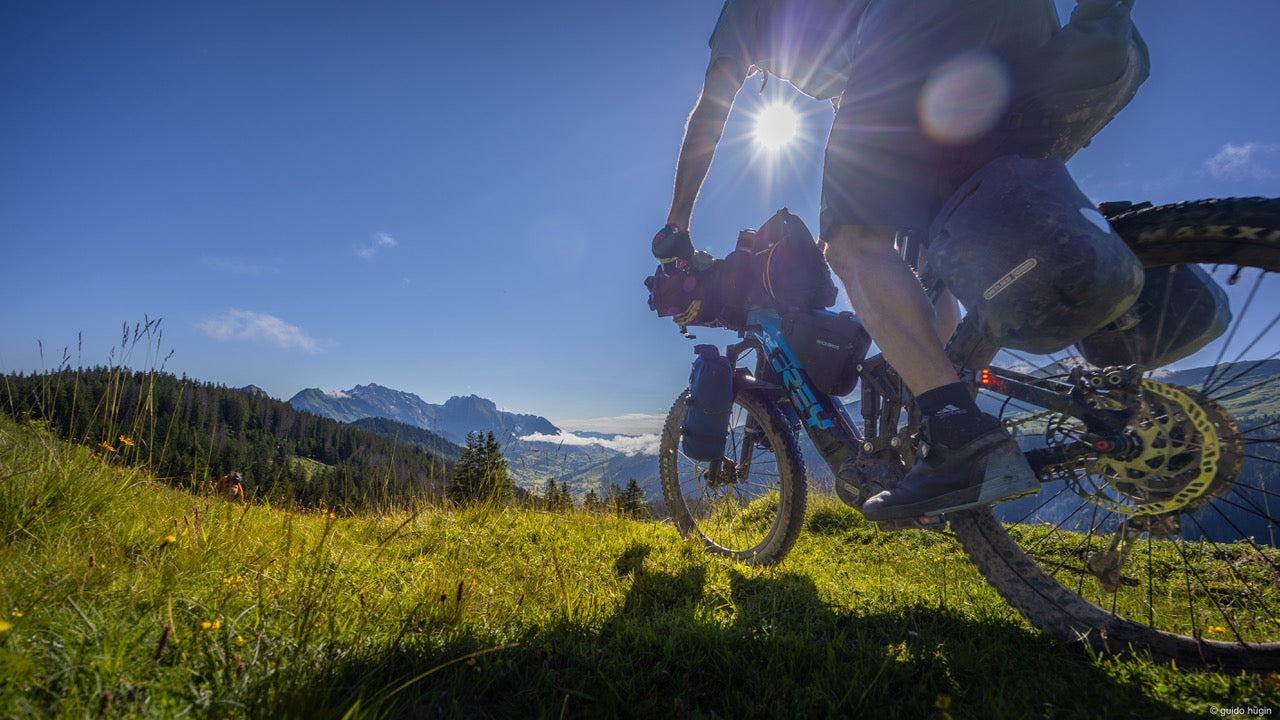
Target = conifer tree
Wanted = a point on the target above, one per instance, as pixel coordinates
(632, 502)
(481, 473)
(550, 495)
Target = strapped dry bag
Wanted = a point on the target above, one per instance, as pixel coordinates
(1181, 309)
(1026, 252)
(779, 265)
(706, 419)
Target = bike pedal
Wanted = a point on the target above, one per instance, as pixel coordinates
(937, 522)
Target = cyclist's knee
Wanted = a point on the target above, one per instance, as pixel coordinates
(850, 245)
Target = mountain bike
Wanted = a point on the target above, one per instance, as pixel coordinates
(1156, 525)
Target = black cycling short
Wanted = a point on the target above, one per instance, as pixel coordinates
(883, 165)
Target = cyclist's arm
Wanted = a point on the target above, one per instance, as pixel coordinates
(702, 133)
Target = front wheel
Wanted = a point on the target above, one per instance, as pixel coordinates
(749, 506)
(1174, 550)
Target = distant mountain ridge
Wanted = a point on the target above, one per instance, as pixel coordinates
(453, 420)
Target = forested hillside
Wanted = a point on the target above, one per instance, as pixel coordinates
(188, 432)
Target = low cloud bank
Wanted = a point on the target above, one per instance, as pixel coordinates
(627, 445)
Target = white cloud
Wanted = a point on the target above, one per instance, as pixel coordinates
(249, 326)
(370, 250)
(625, 444)
(627, 424)
(1241, 162)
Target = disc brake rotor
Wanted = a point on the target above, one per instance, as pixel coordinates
(1178, 458)
(1188, 452)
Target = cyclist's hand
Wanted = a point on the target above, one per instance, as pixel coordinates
(671, 245)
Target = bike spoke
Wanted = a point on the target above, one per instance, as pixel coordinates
(1255, 488)
(1231, 334)
(1042, 505)
(1238, 581)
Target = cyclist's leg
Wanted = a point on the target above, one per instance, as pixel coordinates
(883, 172)
(889, 302)
(946, 309)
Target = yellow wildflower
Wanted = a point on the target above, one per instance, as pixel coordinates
(942, 703)
(239, 641)
(1271, 682)
(15, 613)
(5, 625)
(1216, 629)
(126, 441)
(104, 444)
(169, 539)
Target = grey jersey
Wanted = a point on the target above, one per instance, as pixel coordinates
(805, 42)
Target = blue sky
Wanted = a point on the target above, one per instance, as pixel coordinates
(455, 198)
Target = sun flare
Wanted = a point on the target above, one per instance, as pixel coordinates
(776, 126)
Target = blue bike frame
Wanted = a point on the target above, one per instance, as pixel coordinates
(824, 417)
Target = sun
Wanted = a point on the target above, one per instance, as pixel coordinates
(776, 126)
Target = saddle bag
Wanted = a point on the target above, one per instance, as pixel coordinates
(1181, 309)
(1025, 251)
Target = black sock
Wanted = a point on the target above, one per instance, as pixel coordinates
(954, 418)
(935, 401)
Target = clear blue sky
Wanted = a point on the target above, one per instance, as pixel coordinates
(454, 198)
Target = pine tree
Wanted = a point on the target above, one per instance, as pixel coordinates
(481, 473)
(592, 502)
(632, 502)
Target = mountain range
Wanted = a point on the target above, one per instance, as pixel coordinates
(453, 420)
(593, 461)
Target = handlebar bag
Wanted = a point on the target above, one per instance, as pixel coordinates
(792, 269)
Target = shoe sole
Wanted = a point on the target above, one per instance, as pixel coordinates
(1007, 477)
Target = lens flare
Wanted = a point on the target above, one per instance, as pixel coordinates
(964, 99)
(776, 126)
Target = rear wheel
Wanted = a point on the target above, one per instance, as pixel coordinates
(1171, 549)
(750, 505)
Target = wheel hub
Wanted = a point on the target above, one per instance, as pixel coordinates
(1181, 451)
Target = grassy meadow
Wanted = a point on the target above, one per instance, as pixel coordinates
(122, 597)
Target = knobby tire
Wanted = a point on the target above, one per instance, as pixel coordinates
(1235, 232)
(777, 466)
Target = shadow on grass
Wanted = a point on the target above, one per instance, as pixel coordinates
(771, 648)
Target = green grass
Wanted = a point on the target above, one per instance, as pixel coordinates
(121, 597)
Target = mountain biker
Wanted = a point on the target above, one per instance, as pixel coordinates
(892, 161)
